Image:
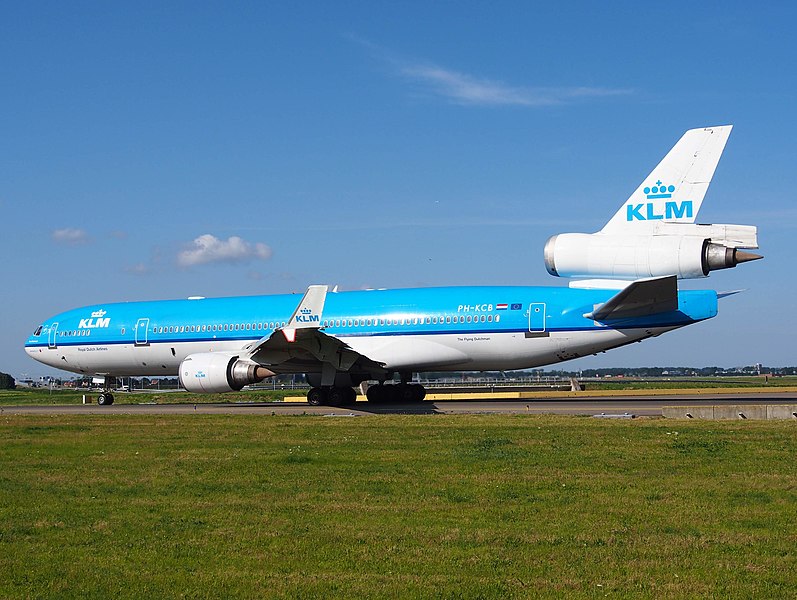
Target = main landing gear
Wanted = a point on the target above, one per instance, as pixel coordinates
(332, 396)
(399, 392)
(378, 394)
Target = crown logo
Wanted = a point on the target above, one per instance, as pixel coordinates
(305, 311)
(659, 191)
(98, 314)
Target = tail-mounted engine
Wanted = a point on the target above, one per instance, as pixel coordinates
(686, 250)
(211, 372)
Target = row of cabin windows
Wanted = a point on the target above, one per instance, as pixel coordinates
(448, 319)
(224, 327)
(75, 333)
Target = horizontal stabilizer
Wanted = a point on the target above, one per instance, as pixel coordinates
(642, 298)
(730, 293)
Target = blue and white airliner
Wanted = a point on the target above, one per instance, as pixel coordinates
(623, 288)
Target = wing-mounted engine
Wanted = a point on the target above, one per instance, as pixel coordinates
(213, 372)
(686, 250)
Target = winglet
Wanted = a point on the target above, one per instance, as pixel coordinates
(308, 313)
(730, 293)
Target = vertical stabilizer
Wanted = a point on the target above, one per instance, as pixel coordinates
(674, 190)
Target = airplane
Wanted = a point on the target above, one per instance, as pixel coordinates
(623, 288)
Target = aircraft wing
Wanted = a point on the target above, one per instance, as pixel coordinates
(301, 346)
(642, 298)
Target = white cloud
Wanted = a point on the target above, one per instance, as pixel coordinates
(70, 236)
(138, 269)
(208, 249)
(465, 89)
(462, 88)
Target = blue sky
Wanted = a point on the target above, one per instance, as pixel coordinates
(163, 150)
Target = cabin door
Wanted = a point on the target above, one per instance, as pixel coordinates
(537, 317)
(52, 339)
(142, 327)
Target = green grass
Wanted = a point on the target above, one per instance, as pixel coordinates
(21, 396)
(65, 396)
(707, 383)
(206, 506)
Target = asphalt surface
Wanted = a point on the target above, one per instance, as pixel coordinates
(637, 405)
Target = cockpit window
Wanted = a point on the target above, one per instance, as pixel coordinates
(38, 331)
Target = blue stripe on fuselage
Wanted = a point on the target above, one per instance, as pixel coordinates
(369, 312)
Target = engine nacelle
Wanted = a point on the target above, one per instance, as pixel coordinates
(623, 256)
(211, 373)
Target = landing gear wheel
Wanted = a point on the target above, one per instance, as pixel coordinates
(338, 396)
(403, 393)
(105, 399)
(316, 396)
(377, 393)
(352, 396)
(418, 392)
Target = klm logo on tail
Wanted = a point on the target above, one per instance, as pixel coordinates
(648, 211)
(305, 316)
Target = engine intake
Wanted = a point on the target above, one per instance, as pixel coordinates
(210, 373)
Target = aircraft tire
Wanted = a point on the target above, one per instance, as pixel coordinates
(351, 396)
(376, 393)
(338, 396)
(418, 392)
(316, 396)
(105, 399)
(403, 393)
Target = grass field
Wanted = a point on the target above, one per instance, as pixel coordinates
(21, 396)
(65, 396)
(205, 506)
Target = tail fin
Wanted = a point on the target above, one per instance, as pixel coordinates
(674, 190)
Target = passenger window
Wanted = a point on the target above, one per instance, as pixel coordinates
(497, 318)
(483, 319)
(448, 319)
(490, 318)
